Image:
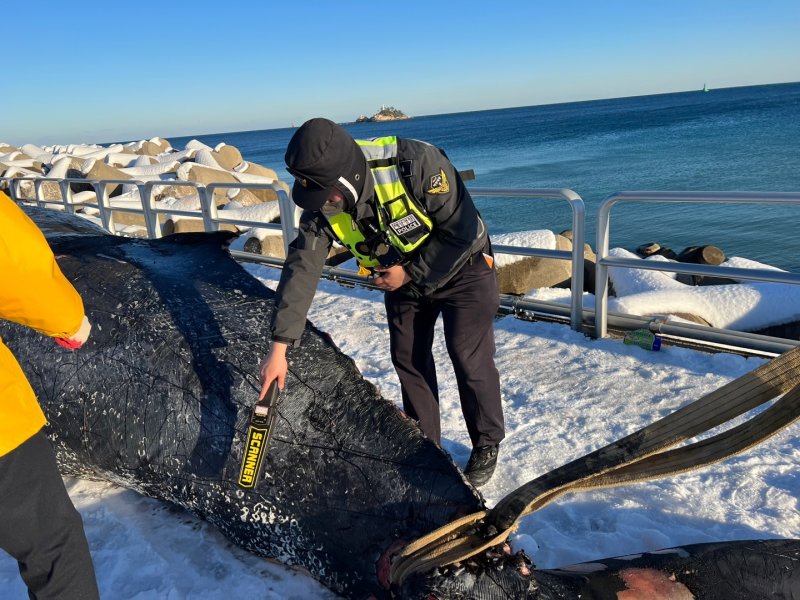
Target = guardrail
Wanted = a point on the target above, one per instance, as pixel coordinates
(575, 313)
(212, 219)
(709, 334)
(578, 237)
(207, 212)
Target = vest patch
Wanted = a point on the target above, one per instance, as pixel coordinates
(439, 184)
(405, 226)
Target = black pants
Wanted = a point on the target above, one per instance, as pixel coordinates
(40, 527)
(468, 304)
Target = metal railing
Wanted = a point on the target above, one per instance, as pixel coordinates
(575, 256)
(709, 334)
(207, 212)
(577, 316)
(212, 218)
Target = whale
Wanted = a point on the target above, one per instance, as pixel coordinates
(161, 400)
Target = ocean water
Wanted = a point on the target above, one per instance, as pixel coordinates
(735, 139)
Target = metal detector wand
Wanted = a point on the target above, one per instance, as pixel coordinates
(259, 433)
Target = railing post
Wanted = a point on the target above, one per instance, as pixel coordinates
(208, 206)
(578, 236)
(601, 272)
(287, 212)
(106, 215)
(150, 216)
(604, 226)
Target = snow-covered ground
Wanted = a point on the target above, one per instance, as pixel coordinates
(564, 395)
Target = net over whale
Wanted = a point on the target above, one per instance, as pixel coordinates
(160, 398)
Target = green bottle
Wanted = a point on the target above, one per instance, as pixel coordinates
(644, 338)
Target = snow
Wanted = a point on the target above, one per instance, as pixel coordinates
(746, 306)
(564, 395)
(539, 238)
(741, 306)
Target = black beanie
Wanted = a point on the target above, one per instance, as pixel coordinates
(322, 155)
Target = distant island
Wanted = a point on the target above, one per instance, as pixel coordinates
(386, 113)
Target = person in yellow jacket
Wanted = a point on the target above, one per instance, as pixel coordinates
(39, 525)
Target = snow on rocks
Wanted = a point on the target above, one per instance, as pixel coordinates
(153, 160)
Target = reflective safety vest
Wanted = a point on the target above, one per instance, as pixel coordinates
(402, 221)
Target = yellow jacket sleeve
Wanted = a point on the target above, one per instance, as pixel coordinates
(33, 290)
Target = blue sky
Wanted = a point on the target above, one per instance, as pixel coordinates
(91, 71)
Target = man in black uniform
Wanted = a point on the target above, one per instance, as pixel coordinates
(401, 208)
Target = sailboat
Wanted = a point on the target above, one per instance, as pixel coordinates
(705, 88)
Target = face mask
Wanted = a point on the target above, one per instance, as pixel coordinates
(330, 209)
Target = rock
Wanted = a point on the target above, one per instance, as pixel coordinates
(703, 255)
(692, 318)
(227, 156)
(589, 266)
(264, 194)
(97, 169)
(147, 172)
(652, 248)
(185, 225)
(386, 113)
(168, 190)
(269, 245)
(524, 275)
(247, 197)
(33, 151)
(149, 148)
(533, 272)
(207, 175)
(272, 245)
(28, 164)
(152, 160)
(121, 159)
(248, 172)
(256, 169)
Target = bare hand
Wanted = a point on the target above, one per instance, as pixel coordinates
(274, 367)
(391, 278)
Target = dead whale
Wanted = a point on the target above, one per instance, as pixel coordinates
(159, 401)
(745, 570)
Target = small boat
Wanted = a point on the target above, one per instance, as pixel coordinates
(705, 88)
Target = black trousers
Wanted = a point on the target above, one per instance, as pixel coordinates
(468, 305)
(40, 527)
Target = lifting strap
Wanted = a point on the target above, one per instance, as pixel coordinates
(641, 456)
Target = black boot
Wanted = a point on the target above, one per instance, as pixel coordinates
(481, 464)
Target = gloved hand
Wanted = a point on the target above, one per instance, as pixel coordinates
(77, 339)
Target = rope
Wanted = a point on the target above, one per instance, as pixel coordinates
(640, 456)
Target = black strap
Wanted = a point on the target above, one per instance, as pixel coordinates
(640, 456)
(718, 407)
(377, 163)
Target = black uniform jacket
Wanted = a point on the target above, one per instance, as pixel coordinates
(458, 233)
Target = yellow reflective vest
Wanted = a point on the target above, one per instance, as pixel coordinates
(35, 293)
(406, 224)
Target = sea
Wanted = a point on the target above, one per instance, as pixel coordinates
(733, 139)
